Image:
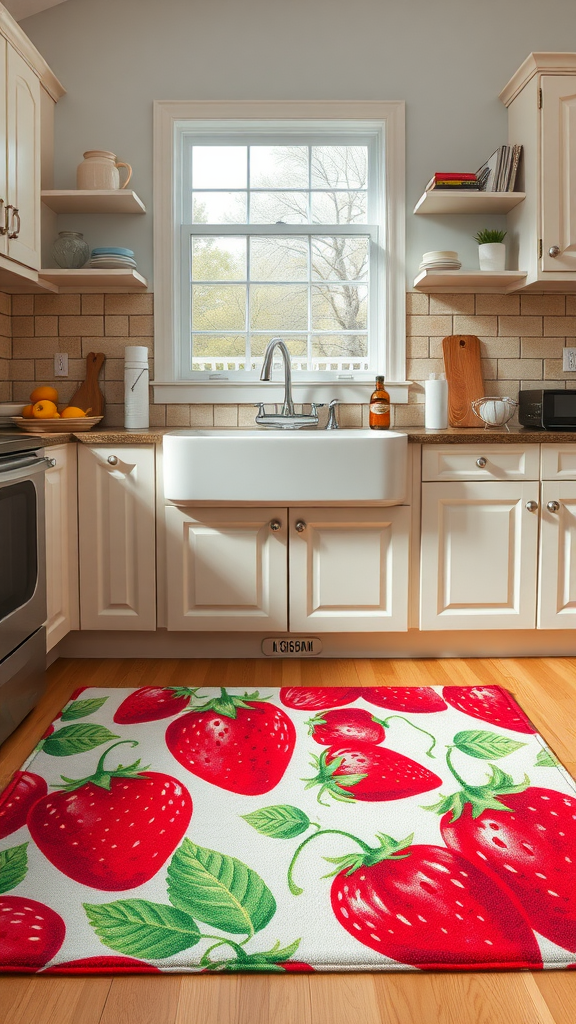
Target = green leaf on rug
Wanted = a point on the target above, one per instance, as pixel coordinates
(485, 745)
(142, 929)
(13, 867)
(281, 821)
(219, 890)
(75, 739)
(546, 759)
(82, 708)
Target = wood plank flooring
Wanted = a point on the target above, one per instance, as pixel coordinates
(546, 688)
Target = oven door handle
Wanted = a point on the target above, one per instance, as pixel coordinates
(30, 463)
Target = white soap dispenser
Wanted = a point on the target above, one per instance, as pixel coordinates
(436, 402)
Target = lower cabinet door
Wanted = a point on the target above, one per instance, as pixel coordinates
(226, 568)
(557, 590)
(61, 543)
(117, 532)
(479, 555)
(349, 569)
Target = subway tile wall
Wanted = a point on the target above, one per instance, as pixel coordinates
(522, 337)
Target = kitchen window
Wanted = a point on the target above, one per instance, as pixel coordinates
(288, 225)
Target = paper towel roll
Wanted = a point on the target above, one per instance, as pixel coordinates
(136, 379)
(436, 403)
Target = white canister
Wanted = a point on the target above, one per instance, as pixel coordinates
(436, 402)
(136, 379)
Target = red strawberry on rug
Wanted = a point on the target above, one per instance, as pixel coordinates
(352, 725)
(25, 789)
(241, 744)
(115, 829)
(361, 771)
(30, 934)
(150, 703)
(316, 698)
(103, 965)
(409, 699)
(490, 704)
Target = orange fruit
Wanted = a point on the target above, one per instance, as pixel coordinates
(44, 393)
(27, 412)
(44, 410)
(70, 411)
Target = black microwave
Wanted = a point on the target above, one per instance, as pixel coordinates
(547, 409)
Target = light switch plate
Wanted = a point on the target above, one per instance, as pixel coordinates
(61, 364)
(569, 359)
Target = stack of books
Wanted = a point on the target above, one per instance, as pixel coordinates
(500, 170)
(453, 179)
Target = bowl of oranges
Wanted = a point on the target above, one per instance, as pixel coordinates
(41, 416)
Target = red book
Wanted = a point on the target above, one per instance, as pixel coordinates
(448, 175)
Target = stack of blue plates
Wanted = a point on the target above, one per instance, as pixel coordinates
(110, 257)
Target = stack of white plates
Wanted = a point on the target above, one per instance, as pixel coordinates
(111, 257)
(440, 259)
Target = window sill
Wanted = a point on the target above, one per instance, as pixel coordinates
(238, 393)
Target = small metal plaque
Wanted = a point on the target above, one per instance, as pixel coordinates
(291, 646)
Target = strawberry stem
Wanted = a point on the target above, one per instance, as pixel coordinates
(479, 798)
(335, 786)
(227, 705)
(386, 724)
(295, 889)
(103, 777)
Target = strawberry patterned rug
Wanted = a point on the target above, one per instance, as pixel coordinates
(326, 829)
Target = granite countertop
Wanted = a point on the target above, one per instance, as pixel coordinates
(416, 435)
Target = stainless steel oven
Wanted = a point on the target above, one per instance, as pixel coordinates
(22, 579)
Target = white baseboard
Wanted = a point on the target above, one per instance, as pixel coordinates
(530, 643)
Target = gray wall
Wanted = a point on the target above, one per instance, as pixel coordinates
(448, 59)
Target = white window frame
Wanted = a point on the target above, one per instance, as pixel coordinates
(171, 119)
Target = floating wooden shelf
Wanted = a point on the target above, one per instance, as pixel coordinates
(89, 280)
(444, 201)
(469, 280)
(93, 201)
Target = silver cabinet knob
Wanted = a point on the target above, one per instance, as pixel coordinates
(481, 462)
(275, 525)
(113, 460)
(553, 506)
(532, 506)
(300, 526)
(554, 251)
(51, 462)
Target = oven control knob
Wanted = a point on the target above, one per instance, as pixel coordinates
(553, 506)
(113, 460)
(481, 462)
(554, 251)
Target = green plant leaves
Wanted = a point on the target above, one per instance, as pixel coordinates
(485, 745)
(219, 890)
(75, 739)
(13, 867)
(82, 708)
(142, 929)
(280, 821)
(546, 759)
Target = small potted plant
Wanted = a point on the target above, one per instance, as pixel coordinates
(491, 249)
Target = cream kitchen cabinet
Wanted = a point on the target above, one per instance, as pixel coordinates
(557, 576)
(253, 569)
(61, 543)
(117, 537)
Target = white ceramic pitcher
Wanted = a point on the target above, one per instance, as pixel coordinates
(99, 169)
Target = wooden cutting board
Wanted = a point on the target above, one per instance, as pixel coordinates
(463, 365)
(89, 395)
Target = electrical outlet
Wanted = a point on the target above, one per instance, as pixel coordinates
(61, 364)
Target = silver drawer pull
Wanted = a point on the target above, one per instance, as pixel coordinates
(481, 462)
(113, 460)
(553, 506)
(554, 251)
(275, 525)
(532, 506)
(300, 526)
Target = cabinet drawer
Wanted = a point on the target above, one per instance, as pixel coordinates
(558, 461)
(480, 462)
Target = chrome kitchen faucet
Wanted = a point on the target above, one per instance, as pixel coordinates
(287, 419)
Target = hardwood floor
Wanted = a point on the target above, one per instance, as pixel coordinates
(546, 688)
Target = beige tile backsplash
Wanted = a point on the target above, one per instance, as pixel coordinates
(522, 338)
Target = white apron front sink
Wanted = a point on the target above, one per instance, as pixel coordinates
(313, 467)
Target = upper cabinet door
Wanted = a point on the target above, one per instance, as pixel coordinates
(3, 143)
(559, 171)
(23, 150)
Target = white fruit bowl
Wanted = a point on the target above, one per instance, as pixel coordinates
(494, 411)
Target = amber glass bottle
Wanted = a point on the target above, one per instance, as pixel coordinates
(379, 407)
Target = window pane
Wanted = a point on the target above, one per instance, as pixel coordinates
(339, 167)
(277, 307)
(215, 346)
(219, 166)
(339, 208)
(282, 258)
(297, 346)
(338, 258)
(218, 258)
(218, 307)
(279, 166)
(339, 307)
(219, 208)
(340, 346)
(279, 208)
